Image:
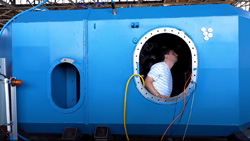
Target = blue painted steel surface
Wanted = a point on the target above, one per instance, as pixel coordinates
(102, 46)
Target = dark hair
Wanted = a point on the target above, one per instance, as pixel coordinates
(165, 50)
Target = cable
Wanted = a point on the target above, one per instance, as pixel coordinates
(173, 130)
(125, 101)
(3, 75)
(4, 132)
(19, 15)
(189, 114)
(81, 5)
(185, 108)
(174, 116)
(99, 3)
(181, 111)
(22, 137)
(113, 8)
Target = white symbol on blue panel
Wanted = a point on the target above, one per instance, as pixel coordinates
(207, 33)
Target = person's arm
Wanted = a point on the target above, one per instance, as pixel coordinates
(150, 87)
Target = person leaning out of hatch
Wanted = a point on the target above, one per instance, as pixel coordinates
(159, 79)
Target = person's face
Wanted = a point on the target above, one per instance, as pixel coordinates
(172, 56)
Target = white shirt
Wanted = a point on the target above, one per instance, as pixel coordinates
(162, 77)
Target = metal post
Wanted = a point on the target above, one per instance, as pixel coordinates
(6, 87)
(2, 93)
(14, 112)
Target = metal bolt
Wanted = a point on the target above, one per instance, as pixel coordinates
(134, 40)
(205, 33)
(206, 38)
(210, 30)
(203, 29)
(210, 35)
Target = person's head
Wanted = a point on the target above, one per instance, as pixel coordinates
(170, 55)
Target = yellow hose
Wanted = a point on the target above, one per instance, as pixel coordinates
(125, 101)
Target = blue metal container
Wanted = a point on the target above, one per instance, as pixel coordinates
(75, 64)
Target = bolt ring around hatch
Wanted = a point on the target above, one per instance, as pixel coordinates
(136, 55)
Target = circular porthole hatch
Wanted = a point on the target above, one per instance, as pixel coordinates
(148, 52)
